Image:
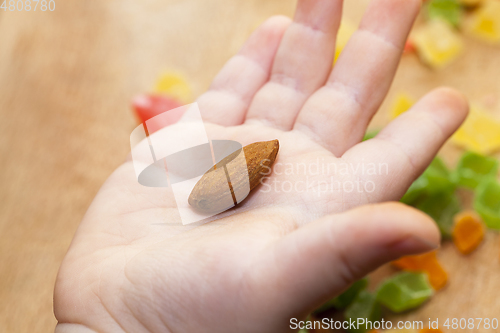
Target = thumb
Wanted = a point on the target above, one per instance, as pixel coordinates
(318, 261)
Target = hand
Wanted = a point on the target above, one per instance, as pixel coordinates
(133, 268)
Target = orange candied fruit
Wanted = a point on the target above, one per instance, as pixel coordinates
(427, 263)
(430, 330)
(468, 232)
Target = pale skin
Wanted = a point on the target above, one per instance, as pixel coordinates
(133, 268)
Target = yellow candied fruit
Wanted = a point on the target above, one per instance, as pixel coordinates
(346, 30)
(437, 43)
(175, 86)
(485, 22)
(402, 103)
(479, 133)
(468, 232)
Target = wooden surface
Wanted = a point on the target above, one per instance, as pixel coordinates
(66, 79)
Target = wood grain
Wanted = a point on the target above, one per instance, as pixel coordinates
(66, 79)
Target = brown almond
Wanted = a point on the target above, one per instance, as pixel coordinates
(230, 181)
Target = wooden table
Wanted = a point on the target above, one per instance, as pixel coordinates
(66, 79)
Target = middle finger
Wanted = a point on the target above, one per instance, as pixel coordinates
(337, 114)
(302, 63)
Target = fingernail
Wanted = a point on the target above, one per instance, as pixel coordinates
(415, 244)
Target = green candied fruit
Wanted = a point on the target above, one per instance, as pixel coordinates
(442, 207)
(404, 291)
(435, 179)
(364, 306)
(474, 168)
(370, 135)
(487, 202)
(447, 10)
(343, 300)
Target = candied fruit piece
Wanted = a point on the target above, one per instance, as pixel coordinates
(364, 306)
(402, 103)
(484, 23)
(437, 43)
(442, 207)
(409, 47)
(448, 10)
(343, 300)
(433, 193)
(404, 291)
(345, 32)
(149, 106)
(468, 232)
(487, 202)
(436, 274)
(426, 263)
(430, 330)
(480, 132)
(435, 179)
(473, 168)
(370, 135)
(175, 86)
(412, 263)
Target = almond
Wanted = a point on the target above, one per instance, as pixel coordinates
(230, 181)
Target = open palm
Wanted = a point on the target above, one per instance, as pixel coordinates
(296, 241)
